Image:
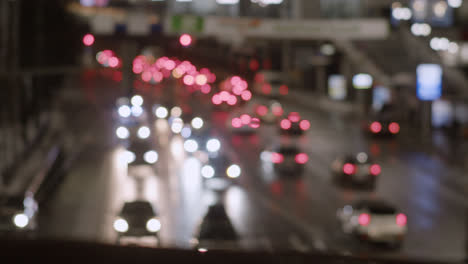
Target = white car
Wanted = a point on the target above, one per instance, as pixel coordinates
(373, 221)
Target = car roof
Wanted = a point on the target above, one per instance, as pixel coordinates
(377, 206)
(138, 207)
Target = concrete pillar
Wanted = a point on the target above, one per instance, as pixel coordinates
(426, 118)
(129, 50)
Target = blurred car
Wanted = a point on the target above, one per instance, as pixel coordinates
(141, 152)
(294, 124)
(357, 170)
(271, 83)
(221, 168)
(130, 111)
(288, 159)
(383, 122)
(269, 113)
(17, 214)
(215, 231)
(137, 219)
(373, 221)
(243, 124)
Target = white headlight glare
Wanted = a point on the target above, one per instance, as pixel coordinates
(137, 100)
(120, 225)
(122, 132)
(129, 156)
(151, 156)
(233, 171)
(137, 111)
(213, 145)
(190, 145)
(21, 220)
(207, 172)
(144, 132)
(124, 111)
(197, 123)
(186, 132)
(161, 112)
(176, 111)
(153, 225)
(177, 125)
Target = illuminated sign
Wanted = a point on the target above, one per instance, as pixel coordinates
(337, 87)
(428, 82)
(362, 81)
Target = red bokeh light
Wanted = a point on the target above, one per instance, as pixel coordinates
(375, 169)
(294, 117)
(262, 110)
(284, 89)
(277, 157)
(245, 119)
(277, 111)
(364, 219)
(88, 40)
(146, 76)
(189, 80)
(157, 76)
(235, 80)
(375, 127)
(254, 65)
(394, 128)
(349, 168)
(216, 99)
(206, 89)
(401, 219)
(246, 95)
(301, 158)
(304, 124)
(113, 62)
(232, 100)
(169, 65)
(255, 123)
(185, 40)
(266, 88)
(236, 122)
(259, 77)
(285, 124)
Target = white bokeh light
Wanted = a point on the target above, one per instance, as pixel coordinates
(233, 171)
(122, 132)
(161, 112)
(137, 100)
(197, 123)
(151, 157)
(124, 111)
(21, 220)
(144, 132)
(207, 172)
(213, 145)
(120, 225)
(153, 225)
(191, 145)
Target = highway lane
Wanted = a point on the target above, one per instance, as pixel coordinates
(410, 179)
(270, 213)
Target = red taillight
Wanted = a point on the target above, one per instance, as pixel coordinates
(245, 119)
(283, 90)
(349, 168)
(294, 117)
(285, 124)
(277, 157)
(236, 122)
(394, 128)
(259, 78)
(304, 124)
(266, 88)
(375, 169)
(262, 110)
(216, 99)
(364, 219)
(401, 219)
(277, 111)
(255, 123)
(375, 127)
(301, 158)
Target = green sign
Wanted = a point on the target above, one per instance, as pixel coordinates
(186, 24)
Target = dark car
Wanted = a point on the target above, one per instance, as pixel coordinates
(220, 168)
(383, 122)
(216, 230)
(294, 125)
(289, 159)
(356, 170)
(137, 219)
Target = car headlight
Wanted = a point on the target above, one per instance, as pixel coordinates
(233, 171)
(161, 112)
(207, 171)
(151, 156)
(144, 132)
(21, 220)
(129, 156)
(153, 225)
(137, 110)
(191, 145)
(124, 111)
(120, 225)
(213, 145)
(122, 132)
(197, 123)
